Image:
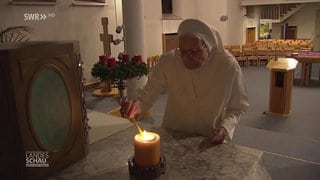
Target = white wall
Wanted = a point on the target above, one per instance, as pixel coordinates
(182, 9)
(235, 23)
(232, 29)
(170, 25)
(185, 9)
(153, 26)
(305, 21)
(276, 30)
(81, 23)
(211, 11)
(252, 20)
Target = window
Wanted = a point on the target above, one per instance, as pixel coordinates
(166, 6)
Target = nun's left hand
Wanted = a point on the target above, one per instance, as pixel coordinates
(218, 135)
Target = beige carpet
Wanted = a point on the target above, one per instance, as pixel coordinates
(104, 125)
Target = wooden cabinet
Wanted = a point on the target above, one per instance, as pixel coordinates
(43, 119)
(170, 41)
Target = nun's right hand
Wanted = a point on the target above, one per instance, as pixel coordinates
(129, 108)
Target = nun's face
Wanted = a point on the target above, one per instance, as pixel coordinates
(193, 52)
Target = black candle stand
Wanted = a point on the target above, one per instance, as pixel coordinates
(147, 172)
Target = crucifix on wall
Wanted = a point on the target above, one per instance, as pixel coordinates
(105, 37)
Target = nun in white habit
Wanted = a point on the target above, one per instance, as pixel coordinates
(205, 89)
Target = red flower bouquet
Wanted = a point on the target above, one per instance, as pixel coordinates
(108, 68)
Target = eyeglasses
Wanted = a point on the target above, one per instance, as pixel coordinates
(192, 52)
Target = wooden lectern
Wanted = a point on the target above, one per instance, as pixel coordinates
(282, 74)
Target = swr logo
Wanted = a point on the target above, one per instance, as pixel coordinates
(34, 17)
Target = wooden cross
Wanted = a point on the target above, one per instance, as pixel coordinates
(105, 37)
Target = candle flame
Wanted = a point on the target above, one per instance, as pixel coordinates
(146, 136)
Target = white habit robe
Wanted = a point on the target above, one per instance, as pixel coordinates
(199, 100)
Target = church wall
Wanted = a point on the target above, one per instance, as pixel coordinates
(153, 24)
(235, 23)
(230, 29)
(70, 22)
(182, 9)
(305, 21)
(185, 9)
(83, 23)
(251, 20)
(276, 30)
(210, 12)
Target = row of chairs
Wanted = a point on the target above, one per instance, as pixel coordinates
(245, 58)
(152, 61)
(257, 52)
(246, 55)
(276, 44)
(255, 57)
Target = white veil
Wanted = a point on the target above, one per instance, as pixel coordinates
(205, 32)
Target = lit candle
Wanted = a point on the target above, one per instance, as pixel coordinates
(146, 149)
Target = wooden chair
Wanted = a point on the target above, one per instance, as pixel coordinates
(251, 56)
(272, 54)
(242, 60)
(263, 55)
(236, 52)
(288, 50)
(235, 48)
(152, 61)
(156, 59)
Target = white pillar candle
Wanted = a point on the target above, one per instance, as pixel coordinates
(146, 149)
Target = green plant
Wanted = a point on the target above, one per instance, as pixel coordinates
(15, 34)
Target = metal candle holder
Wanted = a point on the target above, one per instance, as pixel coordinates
(147, 172)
